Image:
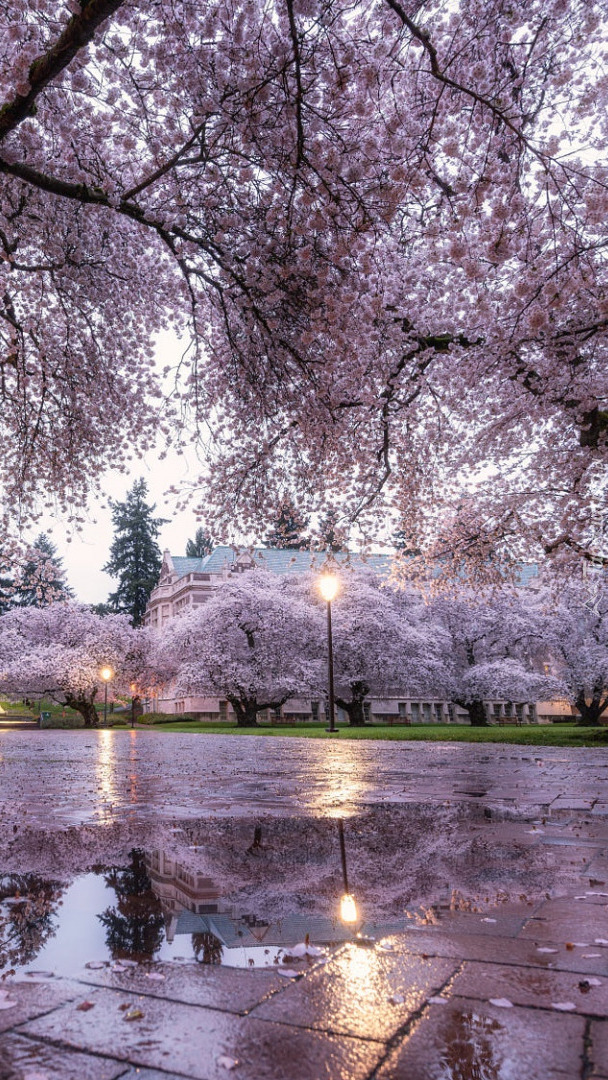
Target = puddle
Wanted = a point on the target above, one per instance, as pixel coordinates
(153, 909)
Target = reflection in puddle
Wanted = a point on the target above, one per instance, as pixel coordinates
(28, 907)
(152, 909)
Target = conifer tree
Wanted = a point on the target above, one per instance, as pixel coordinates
(135, 557)
(288, 529)
(41, 581)
(201, 545)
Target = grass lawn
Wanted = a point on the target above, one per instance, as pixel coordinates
(541, 735)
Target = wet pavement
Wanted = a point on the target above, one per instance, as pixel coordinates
(483, 983)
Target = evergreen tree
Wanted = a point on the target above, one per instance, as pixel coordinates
(330, 538)
(288, 529)
(6, 587)
(42, 579)
(201, 545)
(135, 557)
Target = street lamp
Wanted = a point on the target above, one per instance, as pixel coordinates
(329, 585)
(106, 674)
(348, 907)
(134, 698)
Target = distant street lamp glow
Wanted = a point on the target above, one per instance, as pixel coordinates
(348, 909)
(106, 673)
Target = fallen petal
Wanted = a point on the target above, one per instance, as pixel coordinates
(543, 948)
(155, 975)
(396, 999)
(227, 1062)
(439, 1001)
(289, 973)
(501, 1003)
(563, 1006)
(5, 1003)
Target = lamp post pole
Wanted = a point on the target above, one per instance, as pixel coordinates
(343, 855)
(106, 674)
(329, 585)
(330, 672)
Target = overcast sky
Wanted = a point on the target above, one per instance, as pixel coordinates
(84, 557)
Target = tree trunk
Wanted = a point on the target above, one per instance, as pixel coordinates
(590, 711)
(246, 711)
(476, 711)
(136, 709)
(354, 708)
(86, 709)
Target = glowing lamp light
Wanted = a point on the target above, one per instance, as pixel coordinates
(329, 585)
(106, 673)
(348, 909)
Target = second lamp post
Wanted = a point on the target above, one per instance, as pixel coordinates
(106, 674)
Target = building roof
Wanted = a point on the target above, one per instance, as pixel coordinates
(290, 560)
(276, 560)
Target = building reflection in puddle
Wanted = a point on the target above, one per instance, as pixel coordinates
(220, 932)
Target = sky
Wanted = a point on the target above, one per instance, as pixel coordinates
(84, 556)
(85, 553)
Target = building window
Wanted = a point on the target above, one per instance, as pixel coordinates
(223, 710)
(314, 709)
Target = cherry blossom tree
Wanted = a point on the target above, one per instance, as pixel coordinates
(577, 639)
(250, 643)
(379, 227)
(495, 648)
(58, 652)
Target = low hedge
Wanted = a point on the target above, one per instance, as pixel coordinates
(152, 718)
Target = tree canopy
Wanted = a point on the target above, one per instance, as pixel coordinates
(380, 229)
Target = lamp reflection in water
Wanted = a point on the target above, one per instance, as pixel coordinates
(105, 775)
(106, 674)
(348, 907)
(329, 585)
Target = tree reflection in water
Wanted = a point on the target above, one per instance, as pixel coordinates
(28, 922)
(135, 927)
(207, 948)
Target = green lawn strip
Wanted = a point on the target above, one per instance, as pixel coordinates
(541, 735)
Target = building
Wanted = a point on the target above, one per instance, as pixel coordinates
(185, 583)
